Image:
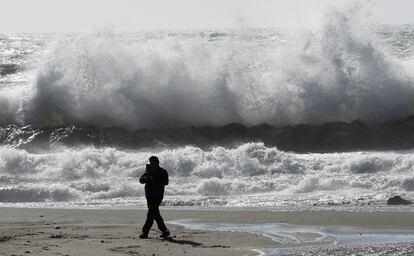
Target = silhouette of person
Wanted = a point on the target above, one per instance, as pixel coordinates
(155, 179)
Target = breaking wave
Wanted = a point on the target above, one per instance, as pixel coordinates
(341, 72)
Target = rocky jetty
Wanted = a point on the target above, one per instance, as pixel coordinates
(328, 137)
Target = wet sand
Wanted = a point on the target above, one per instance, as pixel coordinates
(39, 231)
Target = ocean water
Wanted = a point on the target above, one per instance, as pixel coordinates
(343, 71)
(318, 240)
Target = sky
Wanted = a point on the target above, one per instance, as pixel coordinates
(134, 15)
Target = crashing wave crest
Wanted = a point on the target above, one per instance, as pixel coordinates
(340, 73)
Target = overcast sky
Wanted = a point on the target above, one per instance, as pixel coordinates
(132, 15)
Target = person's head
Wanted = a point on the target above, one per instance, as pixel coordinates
(154, 162)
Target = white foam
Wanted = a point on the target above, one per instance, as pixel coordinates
(251, 175)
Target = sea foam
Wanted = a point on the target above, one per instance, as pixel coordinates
(250, 175)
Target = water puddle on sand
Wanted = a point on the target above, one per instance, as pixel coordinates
(307, 240)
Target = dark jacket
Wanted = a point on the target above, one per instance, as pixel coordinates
(154, 189)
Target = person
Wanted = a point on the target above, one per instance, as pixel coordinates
(155, 179)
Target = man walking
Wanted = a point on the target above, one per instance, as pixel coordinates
(155, 179)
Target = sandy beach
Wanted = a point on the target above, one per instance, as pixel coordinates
(38, 231)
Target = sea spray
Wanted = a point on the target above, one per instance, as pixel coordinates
(340, 72)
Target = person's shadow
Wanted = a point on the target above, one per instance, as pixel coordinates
(183, 242)
(192, 243)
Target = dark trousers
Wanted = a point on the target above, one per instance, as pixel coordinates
(154, 214)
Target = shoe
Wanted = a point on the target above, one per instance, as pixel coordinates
(143, 236)
(165, 234)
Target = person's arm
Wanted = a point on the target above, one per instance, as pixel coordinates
(143, 178)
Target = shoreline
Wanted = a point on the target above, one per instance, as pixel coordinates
(337, 208)
(47, 231)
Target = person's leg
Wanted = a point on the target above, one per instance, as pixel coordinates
(157, 216)
(152, 209)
